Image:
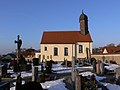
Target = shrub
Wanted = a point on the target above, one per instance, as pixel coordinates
(113, 62)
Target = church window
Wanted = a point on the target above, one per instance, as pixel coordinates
(80, 49)
(65, 51)
(55, 51)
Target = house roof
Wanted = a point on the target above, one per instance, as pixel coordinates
(9, 56)
(64, 37)
(112, 49)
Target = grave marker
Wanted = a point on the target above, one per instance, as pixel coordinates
(117, 72)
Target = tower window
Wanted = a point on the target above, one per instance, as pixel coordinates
(55, 51)
(65, 51)
(80, 49)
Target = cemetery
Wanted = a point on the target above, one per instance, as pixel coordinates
(87, 74)
(86, 77)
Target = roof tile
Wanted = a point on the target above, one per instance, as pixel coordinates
(64, 37)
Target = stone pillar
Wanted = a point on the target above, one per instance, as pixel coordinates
(77, 80)
(66, 62)
(0, 78)
(102, 69)
(98, 67)
(15, 66)
(73, 69)
(117, 72)
(34, 73)
(18, 82)
(42, 67)
(94, 66)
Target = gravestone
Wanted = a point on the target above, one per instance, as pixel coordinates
(4, 85)
(3, 70)
(117, 72)
(42, 67)
(35, 61)
(94, 65)
(48, 67)
(32, 86)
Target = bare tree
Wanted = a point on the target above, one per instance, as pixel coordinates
(118, 45)
(111, 44)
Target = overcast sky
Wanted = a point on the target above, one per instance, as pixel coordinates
(30, 18)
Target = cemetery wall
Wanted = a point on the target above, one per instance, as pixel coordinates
(108, 57)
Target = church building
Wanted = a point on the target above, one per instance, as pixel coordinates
(64, 45)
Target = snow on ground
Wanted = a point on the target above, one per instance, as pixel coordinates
(59, 85)
(86, 73)
(85, 67)
(23, 74)
(23, 82)
(57, 65)
(58, 68)
(10, 71)
(61, 70)
(14, 83)
(39, 67)
(98, 78)
(52, 85)
(99, 88)
(26, 74)
(111, 86)
(111, 66)
(12, 88)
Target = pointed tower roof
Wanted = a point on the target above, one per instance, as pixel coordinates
(83, 16)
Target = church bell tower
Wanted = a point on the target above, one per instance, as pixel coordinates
(83, 20)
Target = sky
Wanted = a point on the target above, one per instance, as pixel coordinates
(30, 18)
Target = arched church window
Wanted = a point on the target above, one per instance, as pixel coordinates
(80, 49)
(55, 51)
(65, 51)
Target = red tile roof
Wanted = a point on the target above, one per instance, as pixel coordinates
(112, 49)
(64, 37)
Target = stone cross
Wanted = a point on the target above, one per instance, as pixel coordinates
(19, 43)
